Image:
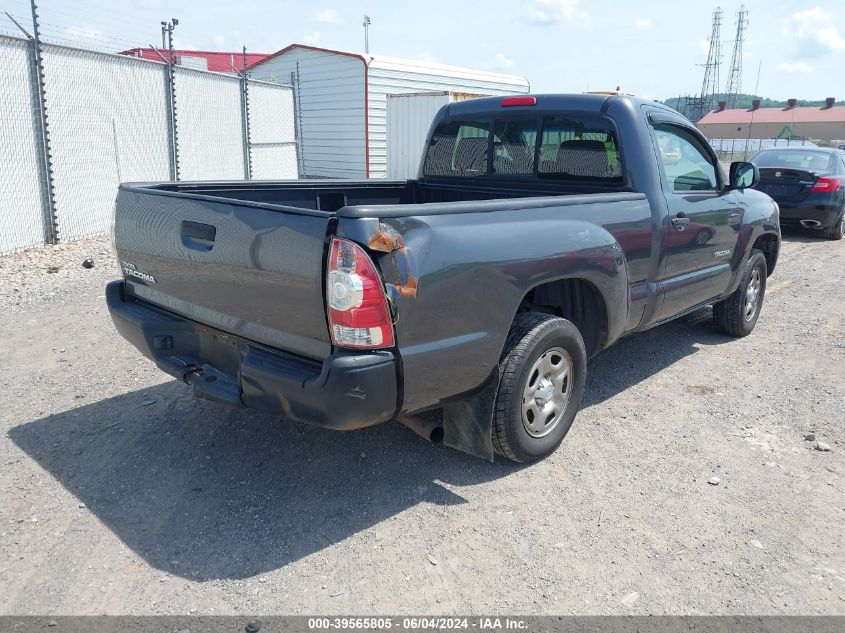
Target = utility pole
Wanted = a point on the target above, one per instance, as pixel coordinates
(734, 86)
(167, 29)
(367, 23)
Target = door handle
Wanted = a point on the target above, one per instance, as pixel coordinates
(680, 221)
(198, 236)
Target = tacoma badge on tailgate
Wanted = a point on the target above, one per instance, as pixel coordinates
(130, 270)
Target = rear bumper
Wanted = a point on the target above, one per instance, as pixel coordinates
(347, 391)
(825, 215)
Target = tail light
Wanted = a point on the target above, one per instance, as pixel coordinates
(358, 312)
(826, 185)
(508, 102)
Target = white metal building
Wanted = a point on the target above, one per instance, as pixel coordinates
(409, 116)
(343, 101)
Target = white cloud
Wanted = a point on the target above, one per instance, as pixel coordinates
(329, 16)
(644, 24)
(546, 12)
(816, 31)
(427, 57)
(219, 40)
(312, 39)
(498, 62)
(794, 68)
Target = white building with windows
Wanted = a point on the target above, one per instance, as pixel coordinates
(342, 108)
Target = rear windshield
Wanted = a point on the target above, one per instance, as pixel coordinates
(808, 160)
(572, 148)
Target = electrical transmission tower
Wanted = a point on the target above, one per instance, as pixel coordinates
(734, 87)
(710, 85)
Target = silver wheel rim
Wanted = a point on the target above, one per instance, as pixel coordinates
(547, 391)
(752, 294)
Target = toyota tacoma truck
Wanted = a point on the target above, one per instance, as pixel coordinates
(464, 303)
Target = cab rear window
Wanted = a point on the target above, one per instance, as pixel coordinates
(569, 148)
(458, 148)
(579, 149)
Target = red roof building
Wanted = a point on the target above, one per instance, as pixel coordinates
(216, 61)
(817, 123)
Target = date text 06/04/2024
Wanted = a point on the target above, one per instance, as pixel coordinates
(418, 623)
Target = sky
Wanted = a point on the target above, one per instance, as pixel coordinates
(652, 48)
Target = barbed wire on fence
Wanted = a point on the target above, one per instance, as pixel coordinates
(88, 25)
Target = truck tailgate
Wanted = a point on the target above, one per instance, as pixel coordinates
(252, 270)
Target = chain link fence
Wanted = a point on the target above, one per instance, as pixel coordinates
(107, 121)
(731, 149)
(208, 117)
(21, 199)
(272, 129)
(107, 124)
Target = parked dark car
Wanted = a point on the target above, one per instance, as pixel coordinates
(808, 184)
(465, 303)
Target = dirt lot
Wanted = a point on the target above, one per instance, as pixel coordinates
(121, 494)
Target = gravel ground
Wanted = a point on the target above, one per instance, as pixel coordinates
(122, 494)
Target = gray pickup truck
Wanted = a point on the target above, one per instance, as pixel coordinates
(465, 303)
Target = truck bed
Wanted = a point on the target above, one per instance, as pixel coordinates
(223, 253)
(331, 197)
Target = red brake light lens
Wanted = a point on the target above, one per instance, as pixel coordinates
(518, 101)
(358, 312)
(826, 185)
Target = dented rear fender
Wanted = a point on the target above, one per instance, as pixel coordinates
(455, 283)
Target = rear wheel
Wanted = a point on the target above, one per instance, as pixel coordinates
(737, 315)
(836, 231)
(544, 366)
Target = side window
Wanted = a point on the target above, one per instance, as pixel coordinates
(514, 141)
(686, 163)
(458, 148)
(575, 148)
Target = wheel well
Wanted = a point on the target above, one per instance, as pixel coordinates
(575, 300)
(768, 244)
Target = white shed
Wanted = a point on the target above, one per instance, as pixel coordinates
(343, 102)
(409, 116)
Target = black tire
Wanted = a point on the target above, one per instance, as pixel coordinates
(534, 335)
(731, 316)
(836, 231)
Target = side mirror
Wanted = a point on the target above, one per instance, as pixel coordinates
(743, 175)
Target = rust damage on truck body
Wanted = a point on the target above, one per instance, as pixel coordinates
(387, 239)
(409, 288)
